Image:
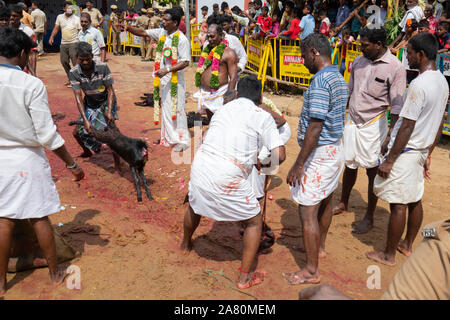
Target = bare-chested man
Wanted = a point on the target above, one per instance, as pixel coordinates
(210, 96)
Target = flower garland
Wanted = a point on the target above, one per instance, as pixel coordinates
(271, 105)
(210, 57)
(167, 53)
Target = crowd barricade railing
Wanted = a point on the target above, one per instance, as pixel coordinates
(129, 40)
(353, 50)
(196, 46)
(290, 65)
(255, 51)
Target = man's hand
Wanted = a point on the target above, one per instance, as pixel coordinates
(50, 41)
(384, 146)
(426, 169)
(162, 72)
(295, 175)
(88, 126)
(78, 173)
(385, 169)
(109, 117)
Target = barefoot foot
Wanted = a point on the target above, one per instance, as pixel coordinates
(59, 275)
(251, 280)
(363, 227)
(301, 277)
(339, 208)
(2, 288)
(403, 248)
(186, 247)
(380, 256)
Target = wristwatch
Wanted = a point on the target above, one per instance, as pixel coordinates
(74, 166)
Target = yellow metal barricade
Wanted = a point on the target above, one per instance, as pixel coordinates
(353, 50)
(255, 50)
(196, 46)
(291, 64)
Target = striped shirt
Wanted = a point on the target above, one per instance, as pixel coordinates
(94, 87)
(325, 99)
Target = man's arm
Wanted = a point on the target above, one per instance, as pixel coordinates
(110, 102)
(101, 20)
(311, 138)
(231, 61)
(140, 32)
(179, 66)
(80, 105)
(54, 33)
(32, 63)
(279, 120)
(402, 138)
(103, 54)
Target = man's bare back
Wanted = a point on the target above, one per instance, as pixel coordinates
(227, 71)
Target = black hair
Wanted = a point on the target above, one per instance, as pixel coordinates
(374, 35)
(414, 24)
(37, 3)
(258, 2)
(236, 9)
(225, 18)
(322, 13)
(83, 49)
(424, 23)
(224, 5)
(265, 8)
(215, 5)
(215, 19)
(17, 9)
(425, 42)
(290, 4)
(309, 8)
(317, 41)
(443, 25)
(204, 8)
(179, 9)
(5, 12)
(89, 1)
(346, 31)
(298, 12)
(174, 15)
(250, 87)
(86, 15)
(13, 41)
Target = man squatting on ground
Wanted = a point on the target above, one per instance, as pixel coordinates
(377, 80)
(26, 125)
(219, 187)
(173, 132)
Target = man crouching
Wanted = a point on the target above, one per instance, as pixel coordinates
(218, 187)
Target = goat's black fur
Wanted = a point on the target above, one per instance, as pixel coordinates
(129, 149)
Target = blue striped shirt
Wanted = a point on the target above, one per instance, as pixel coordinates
(325, 99)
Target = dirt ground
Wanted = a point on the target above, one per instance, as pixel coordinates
(129, 250)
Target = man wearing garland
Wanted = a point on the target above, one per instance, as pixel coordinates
(216, 70)
(173, 55)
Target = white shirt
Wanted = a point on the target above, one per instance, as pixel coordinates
(235, 44)
(425, 103)
(28, 31)
(94, 37)
(69, 28)
(25, 117)
(39, 20)
(414, 13)
(239, 130)
(184, 52)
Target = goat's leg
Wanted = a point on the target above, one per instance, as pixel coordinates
(117, 163)
(136, 182)
(144, 181)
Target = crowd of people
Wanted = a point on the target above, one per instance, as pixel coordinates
(232, 167)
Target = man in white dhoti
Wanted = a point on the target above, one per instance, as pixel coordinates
(173, 56)
(400, 179)
(216, 70)
(377, 81)
(27, 190)
(219, 188)
(315, 174)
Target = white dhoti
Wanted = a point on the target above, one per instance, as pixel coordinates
(210, 100)
(405, 183)
(27, 189)
(257, 179)
(219, 189)
(174, 131)
(362, 143)
(321, 175)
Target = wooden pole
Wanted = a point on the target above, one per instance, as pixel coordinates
(351, 16)
(269, 78)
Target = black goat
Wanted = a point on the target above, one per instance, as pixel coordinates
(133, 151)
